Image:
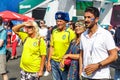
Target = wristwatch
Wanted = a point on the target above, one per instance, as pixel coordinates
(100, 65)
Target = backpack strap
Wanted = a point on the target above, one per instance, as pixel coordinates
(2, 29)
(24, 41)
(39, 41)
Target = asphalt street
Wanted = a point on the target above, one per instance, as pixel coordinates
(14, 69)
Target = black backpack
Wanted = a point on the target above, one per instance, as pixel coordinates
(8, 55)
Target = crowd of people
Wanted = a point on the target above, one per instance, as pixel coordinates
(88, 48)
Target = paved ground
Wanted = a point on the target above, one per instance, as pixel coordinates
(14, 70)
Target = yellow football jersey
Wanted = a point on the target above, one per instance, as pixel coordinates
(32, 51)
(60, 41)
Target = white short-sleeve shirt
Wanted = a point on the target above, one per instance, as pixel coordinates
(95, 49)
(43, 32)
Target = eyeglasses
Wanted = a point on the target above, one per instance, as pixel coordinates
(79, 26)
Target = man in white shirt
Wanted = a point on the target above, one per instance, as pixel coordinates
(43, 33)
(98, 49)
(43, 29)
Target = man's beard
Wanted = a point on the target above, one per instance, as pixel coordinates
(89, 26)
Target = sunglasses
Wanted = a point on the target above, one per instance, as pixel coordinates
(41, 23)
(29, 26)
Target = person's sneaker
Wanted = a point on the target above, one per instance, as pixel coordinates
(46, 73)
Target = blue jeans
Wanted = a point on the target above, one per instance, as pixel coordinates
(57, 74)
(117, 74)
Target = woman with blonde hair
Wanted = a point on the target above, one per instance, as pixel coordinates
(73, 53)
(34, 51)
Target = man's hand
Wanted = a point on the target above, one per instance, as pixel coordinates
(48, 66)
(62, 63)
(91, 68)
(40, 73)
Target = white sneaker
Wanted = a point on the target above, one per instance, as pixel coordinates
(46, 73)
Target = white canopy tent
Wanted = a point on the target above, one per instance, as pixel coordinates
(59, 5)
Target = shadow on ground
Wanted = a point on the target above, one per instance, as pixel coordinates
(13, 79)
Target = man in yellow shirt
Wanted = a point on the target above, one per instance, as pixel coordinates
(60, 41)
